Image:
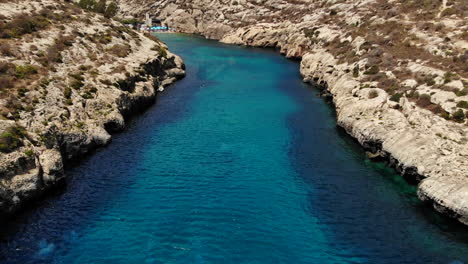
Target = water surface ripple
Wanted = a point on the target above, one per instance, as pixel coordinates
(238, 163)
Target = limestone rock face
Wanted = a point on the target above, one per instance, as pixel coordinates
(338, 43)
(52, 166)
(103, 74)
(409, 138)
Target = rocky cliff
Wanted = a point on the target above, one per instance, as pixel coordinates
(68, 79)
(395, 70)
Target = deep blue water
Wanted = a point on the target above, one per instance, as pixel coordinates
(238, 163)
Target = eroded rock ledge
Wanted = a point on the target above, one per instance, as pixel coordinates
(27, 176)
(70, 86)
(386, 65)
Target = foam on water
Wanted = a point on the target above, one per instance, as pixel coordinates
(45, 249)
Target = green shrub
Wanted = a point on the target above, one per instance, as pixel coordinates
(120, 50)
(424, 100)
(462, 92)
(448, 77)
(372, 70)
(78, 80)
(396, 97)
(93, 90)
(87, 4)
(8, 142)
(162, 52)
(76, 84)
(356, 71)
(459, 115)
(23, 24)
(87, 95)
(111, 10)
(67, 92)
(373, 94)
(429, 81)
(77, 76)
(79, 124)
(450, 11)
(311, 34)
(29, 152)
(105, 39)
(45, 82)
(22, 91)
(463, 104)
(23, 71)
(445, 115)
(11, 139)
(100, 6)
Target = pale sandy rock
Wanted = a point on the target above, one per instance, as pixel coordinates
(61, 127)
(52, 166)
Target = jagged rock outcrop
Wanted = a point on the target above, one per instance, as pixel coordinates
(395, 71)
(73, 79)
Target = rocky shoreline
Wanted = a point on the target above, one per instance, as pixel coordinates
(396, 73)
(85, 79)
(424, 147)
(27, 178)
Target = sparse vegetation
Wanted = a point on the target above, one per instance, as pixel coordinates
(120, 50)
(77, 81)
(23, 24)
(129, 21)
(374, 69)
(396, 97)
(29, 152)
(79, 124)
(463, 104)
(24, 71)
(424, 100)
(430, 81)
(5, 49)
(152, 37)
(373, 94)
(11, 138)
(54, 52)
(448, 77)
(162, 52)
(462, 92)
(458, 116)
(108, 10)
(356, 71)
(67, 92)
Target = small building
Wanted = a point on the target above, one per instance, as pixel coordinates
(156, 22)
(153, 21)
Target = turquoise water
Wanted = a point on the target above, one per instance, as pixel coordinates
(238, 163)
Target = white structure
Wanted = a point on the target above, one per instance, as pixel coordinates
(148, 21)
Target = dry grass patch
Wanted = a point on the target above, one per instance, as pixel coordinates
(120, 50)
